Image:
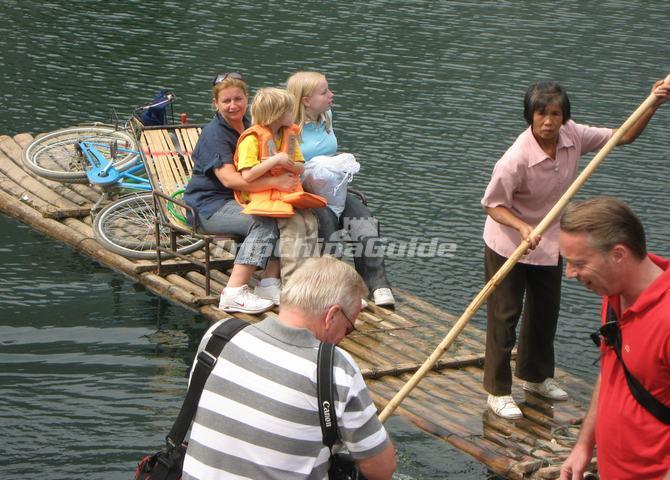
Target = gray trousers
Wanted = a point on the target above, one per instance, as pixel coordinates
(363, 229)
(535, 353)
(260, 233)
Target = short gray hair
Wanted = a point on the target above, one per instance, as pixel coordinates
(322, 282)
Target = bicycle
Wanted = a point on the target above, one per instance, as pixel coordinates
(108, 156)
(68, 154)
(91, 153)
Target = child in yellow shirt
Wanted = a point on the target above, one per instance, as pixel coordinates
(270, 147)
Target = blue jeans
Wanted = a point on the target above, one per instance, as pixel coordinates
(363, 229)
(260, 233)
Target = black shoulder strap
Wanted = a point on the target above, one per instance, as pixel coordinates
(206, 361)
(641, 394)
(324, 385)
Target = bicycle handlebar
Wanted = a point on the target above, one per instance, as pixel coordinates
(169, 98)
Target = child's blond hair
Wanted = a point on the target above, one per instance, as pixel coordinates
(304, 84)
(269, 105)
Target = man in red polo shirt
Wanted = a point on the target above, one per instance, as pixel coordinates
(604, 247)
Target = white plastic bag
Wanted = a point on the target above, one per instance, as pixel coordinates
(329, 176)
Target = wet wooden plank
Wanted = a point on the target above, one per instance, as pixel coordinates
(81, 194)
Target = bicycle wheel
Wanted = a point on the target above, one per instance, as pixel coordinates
(126, 227)
(56, 156)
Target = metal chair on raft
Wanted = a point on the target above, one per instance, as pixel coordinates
(166, 151)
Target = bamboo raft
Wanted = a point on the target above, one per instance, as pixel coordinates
(389, 346)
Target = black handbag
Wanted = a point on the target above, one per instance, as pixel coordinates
(342, 465)
(168, 463)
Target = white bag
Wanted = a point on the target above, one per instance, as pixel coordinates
(329, 176)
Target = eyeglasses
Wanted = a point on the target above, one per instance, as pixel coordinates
(353, 326)
(222, 76)
(609, 332)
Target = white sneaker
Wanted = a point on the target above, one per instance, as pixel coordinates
(244, 301)
(549, 389)
(271, 292)
(383, 297)
(504, 406)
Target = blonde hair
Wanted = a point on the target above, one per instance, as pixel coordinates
(608, 222)
(270, 104)
(304, 84)
(229, 82)
(321, 282)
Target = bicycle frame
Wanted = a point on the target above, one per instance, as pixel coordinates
(103, 173)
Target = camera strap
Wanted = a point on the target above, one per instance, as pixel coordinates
(324, 386)
(660, 411)
(205, 364)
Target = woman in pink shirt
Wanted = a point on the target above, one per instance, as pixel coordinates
(526, 183)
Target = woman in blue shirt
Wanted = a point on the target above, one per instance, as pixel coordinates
(313, 102)
(210, 194)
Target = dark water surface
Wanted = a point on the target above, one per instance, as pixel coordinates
(428, 95)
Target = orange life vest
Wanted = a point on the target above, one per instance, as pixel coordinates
(274, 203)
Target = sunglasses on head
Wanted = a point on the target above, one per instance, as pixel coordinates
(222, 76)
(609, 333)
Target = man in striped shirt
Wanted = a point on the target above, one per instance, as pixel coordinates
(258, 418)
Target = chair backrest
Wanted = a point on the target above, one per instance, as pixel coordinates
(167, 158)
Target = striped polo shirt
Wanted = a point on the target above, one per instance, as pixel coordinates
(258, 418)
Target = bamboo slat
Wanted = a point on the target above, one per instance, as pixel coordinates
(494, 459)
(198, 280)
(165, 160)
(23, 195)
(471, 339)
(189, 139)
(398, 369)
(171, 179)
(165, 288)
(170, 265)
(185, 284)
(169, 170)
(445, 406)
(12, 171)
(81, 194)
(380, 348)
(153, 151)
(198, 292)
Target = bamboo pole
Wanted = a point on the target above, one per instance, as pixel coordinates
(398, 369)
(481, 297)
